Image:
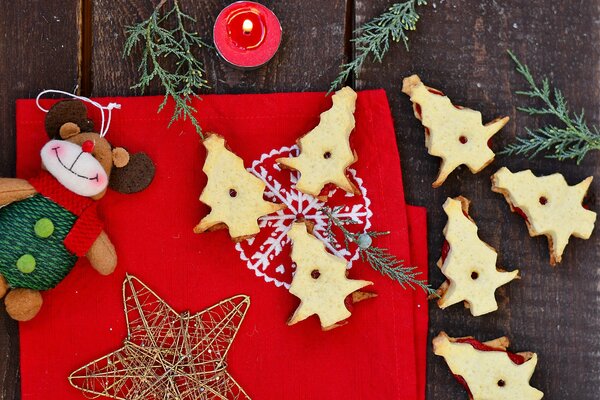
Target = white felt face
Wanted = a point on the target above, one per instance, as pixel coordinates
(75, 169)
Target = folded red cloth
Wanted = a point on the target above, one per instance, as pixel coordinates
(82, 319)
(417, 228)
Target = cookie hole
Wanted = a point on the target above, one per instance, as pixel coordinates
(232, 193)
(315, 274)
(463, 139)
(543, 200)
(501, 383)
(474, 275)
(327, 155)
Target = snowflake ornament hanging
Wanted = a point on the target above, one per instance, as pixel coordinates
(267, 253)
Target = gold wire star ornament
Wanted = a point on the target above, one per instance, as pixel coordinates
(166, 355)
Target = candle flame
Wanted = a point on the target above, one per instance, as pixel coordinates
(247, 26)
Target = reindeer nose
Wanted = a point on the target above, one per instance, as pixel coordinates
(87, 146)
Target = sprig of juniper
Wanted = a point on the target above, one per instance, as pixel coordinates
(378, 258)
(573, 141)
(164, 36)
(373, 38)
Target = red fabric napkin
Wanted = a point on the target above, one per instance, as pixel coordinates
(82, 319)
(417, 228)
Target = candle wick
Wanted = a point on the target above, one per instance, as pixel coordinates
(247, 26)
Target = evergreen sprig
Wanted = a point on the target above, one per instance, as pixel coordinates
(373, 38)
(571, 141)
(378, 258)
(163, 36)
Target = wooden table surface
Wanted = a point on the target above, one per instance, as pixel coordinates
(460, 47)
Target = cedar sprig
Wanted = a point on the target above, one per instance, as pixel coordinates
(163, 37)
(373, 38)
(378, 258)
(571, 141)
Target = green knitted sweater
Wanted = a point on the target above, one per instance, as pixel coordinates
(18, 238)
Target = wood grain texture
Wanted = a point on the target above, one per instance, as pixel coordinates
(312, 47)
(460, 47)
(39, 49)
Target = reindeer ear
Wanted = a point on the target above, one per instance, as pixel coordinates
(120, 157)
(67, 111)
(133, 177)
(68, 130)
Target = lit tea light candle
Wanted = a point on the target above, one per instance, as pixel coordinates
(247, 34)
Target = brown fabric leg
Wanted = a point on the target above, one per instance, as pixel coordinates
(23, 304)
(102, 255)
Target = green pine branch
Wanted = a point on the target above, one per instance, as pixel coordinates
(378, 258)
(573, 140)
(164, 37)
(373, 38)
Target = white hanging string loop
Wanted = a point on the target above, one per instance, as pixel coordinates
(105, 118)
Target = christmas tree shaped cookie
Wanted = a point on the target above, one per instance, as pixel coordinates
(453, 133)
(234, 195)
(487, 370)
(325, 152)
(320, 281)
(469, 263)
(549, 205)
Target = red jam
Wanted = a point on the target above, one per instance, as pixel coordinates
(477, 345)
(588, 200)
(445, 250)
(521, 213)
(348, 303)
(462, 381)
(517, 359)
(435, 91)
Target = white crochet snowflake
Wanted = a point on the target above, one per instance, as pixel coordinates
(267, 254)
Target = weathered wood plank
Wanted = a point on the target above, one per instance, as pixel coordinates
(459, 46)
(312, 47)
(39, 50)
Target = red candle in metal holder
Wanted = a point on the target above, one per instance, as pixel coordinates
(247, 34)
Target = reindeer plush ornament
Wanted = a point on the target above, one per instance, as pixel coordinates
(48, 222)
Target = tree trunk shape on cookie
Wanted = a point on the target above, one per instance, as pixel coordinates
(325, 151)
